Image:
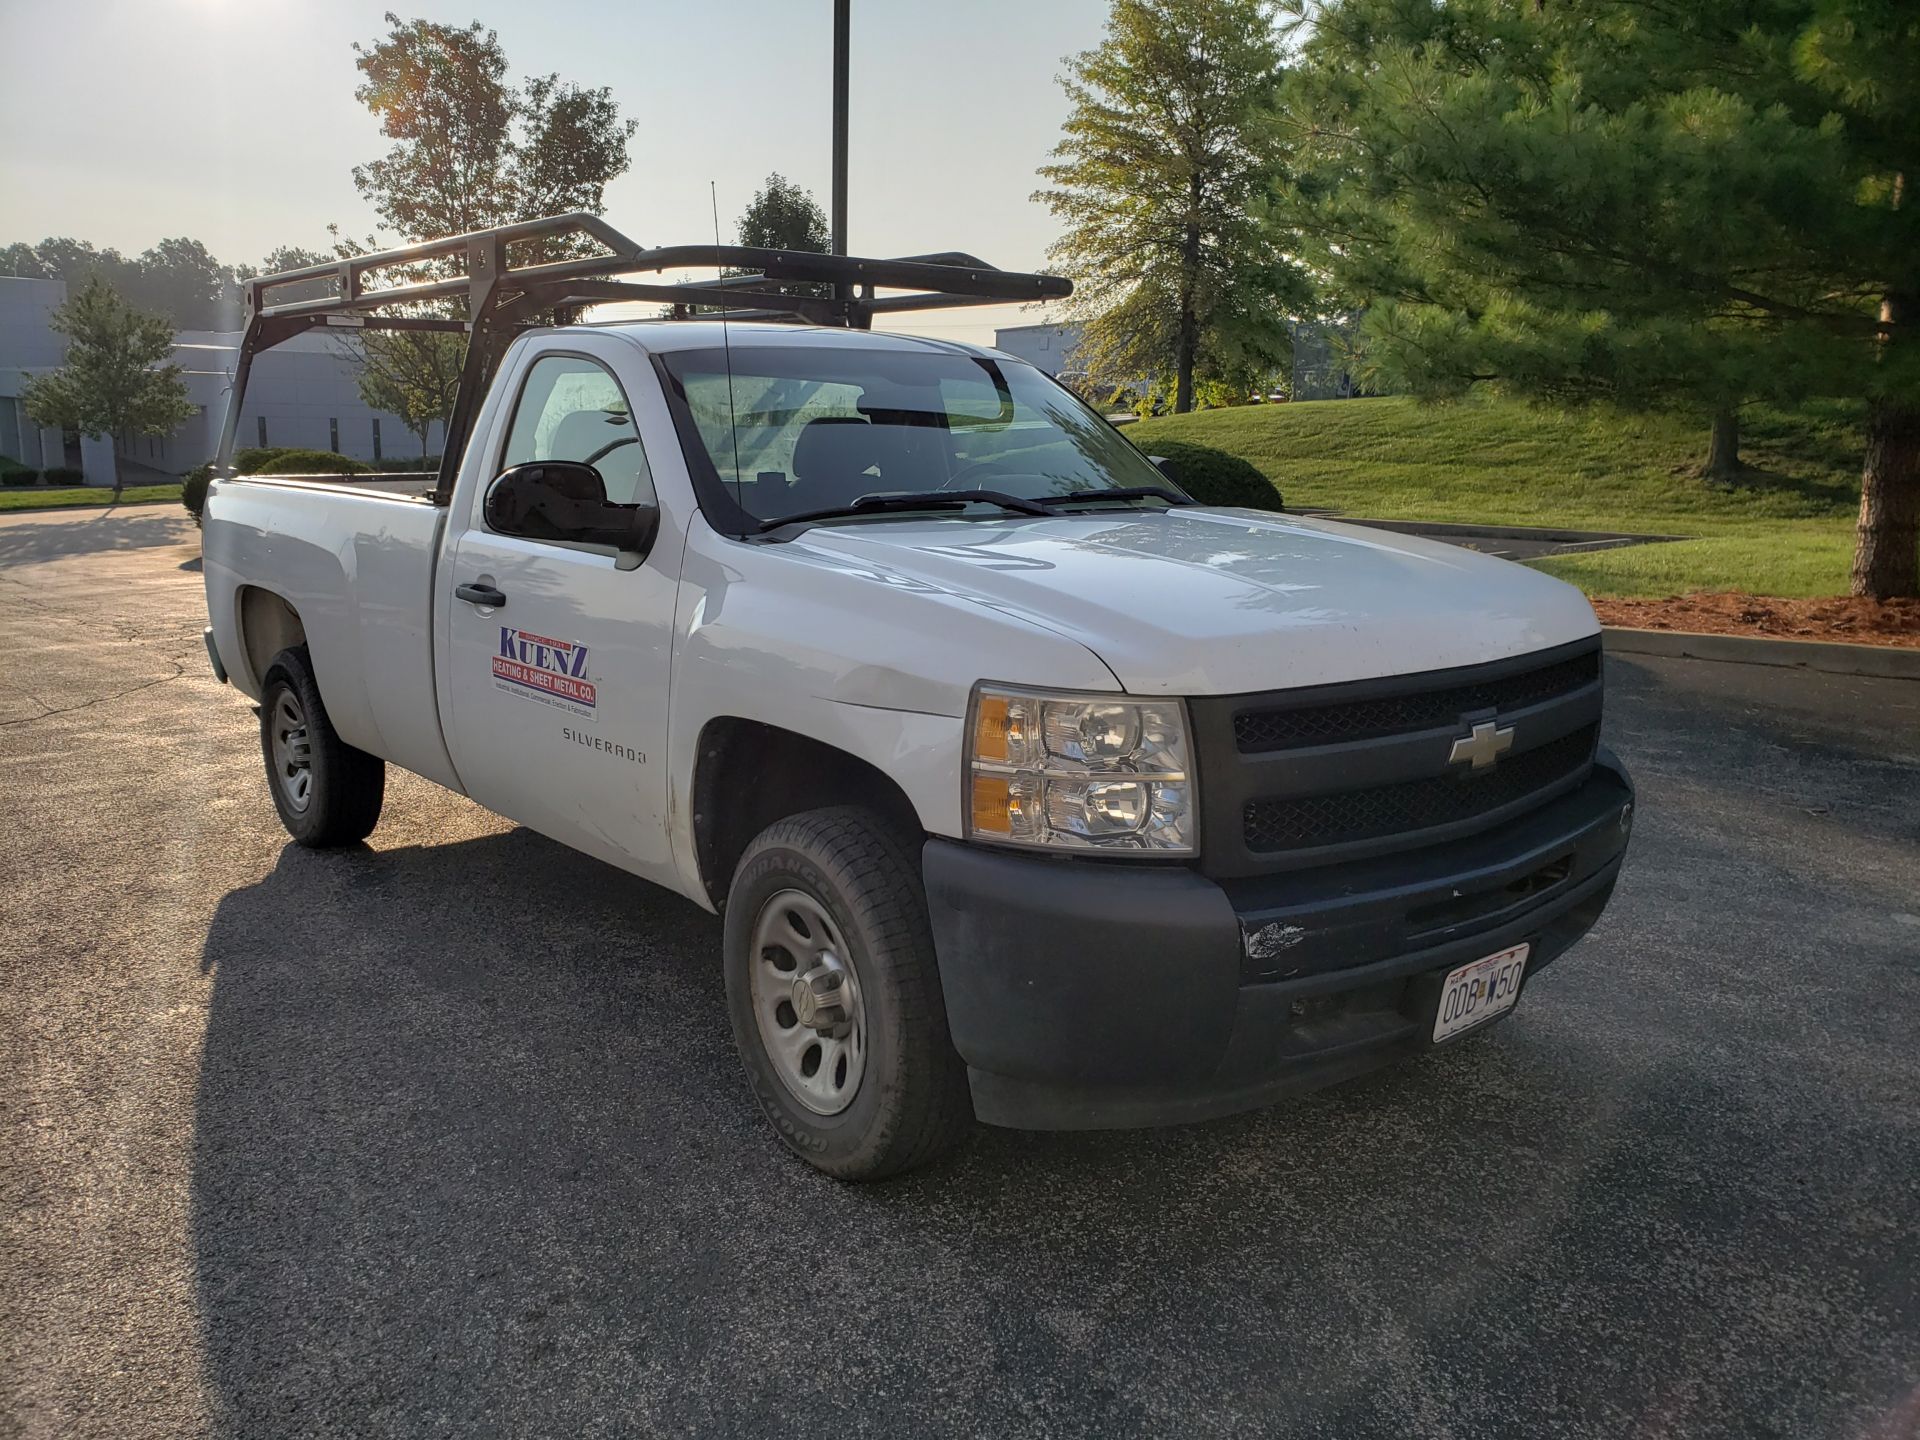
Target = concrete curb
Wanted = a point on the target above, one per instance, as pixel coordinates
(1885, 662)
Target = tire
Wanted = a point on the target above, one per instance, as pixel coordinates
(854, 884)
(338, 800)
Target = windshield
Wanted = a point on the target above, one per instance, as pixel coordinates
(815, 428)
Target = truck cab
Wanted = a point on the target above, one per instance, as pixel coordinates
(1030, 790)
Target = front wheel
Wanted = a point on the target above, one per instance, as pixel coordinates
(327, 792)
(835, 997)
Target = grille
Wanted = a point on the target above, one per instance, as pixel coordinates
(1260, 730)
(1414, 804)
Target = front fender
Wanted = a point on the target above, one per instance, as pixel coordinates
(873, 663)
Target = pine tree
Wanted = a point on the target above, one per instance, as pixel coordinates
(1630, 200)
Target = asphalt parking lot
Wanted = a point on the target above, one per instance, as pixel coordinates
(446, 1137)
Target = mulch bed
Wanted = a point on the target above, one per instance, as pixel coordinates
(1728, 612)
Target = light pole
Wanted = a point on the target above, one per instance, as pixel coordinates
(842, 23)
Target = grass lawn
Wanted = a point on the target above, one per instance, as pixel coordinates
(1785, 529)
(40, 497)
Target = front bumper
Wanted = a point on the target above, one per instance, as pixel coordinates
(1091, 995)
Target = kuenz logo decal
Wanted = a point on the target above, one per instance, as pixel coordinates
(551, 667)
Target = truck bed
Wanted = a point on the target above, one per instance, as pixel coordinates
(407, 485)
(353, 559)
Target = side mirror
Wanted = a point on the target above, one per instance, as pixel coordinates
(1166, 467)
(566, 500)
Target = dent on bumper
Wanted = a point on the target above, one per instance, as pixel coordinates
(1085, 995)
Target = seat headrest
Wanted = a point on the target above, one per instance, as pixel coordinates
(584, 431)
(834, 447)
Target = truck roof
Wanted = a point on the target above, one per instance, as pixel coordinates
(660, 335)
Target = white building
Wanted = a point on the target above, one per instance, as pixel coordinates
(302, 392)
(1045, 347)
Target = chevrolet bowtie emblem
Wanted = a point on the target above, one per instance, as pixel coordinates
(1486, 744)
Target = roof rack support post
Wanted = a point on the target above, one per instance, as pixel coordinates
(475, 372)
(262, 332)
(236, 393)
(490, 328)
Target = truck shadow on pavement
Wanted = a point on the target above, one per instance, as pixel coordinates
(105, 528)
(473, 1155)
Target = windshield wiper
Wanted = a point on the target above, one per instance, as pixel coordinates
(920, 500)
(1132, 492)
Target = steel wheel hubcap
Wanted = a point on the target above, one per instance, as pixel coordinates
(806, 1001)
(292, 751)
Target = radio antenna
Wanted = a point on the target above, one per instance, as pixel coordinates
(726, 344)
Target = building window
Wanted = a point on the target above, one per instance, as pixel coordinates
(263, 430)
(376, 439)
(333, 436)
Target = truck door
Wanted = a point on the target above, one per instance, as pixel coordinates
(556, 690)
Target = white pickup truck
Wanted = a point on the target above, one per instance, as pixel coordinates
(1029, 789)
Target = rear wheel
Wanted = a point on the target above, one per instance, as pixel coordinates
(327, 792)
(835, 996)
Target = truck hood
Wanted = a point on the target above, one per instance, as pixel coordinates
(1219, 602)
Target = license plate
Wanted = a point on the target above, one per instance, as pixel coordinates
(1478, 991)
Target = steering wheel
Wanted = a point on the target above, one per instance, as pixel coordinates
(611, 445)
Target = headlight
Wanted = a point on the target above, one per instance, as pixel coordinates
(1079, 772)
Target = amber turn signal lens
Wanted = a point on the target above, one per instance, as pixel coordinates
(990, 731)
(992, 805)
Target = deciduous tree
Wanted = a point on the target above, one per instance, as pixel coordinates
(783, 216)
(470, 150)
(176, 278)
(118, 374)
(414, 374)
(1163, 180)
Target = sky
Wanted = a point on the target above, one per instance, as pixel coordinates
(233, 122)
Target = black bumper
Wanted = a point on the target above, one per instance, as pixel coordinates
(1089, 995)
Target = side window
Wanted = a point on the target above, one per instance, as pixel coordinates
(573, 409)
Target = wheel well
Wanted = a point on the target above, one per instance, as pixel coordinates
(268, 625)
(748, 775)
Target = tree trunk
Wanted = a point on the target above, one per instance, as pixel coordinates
(1187, 341)
(1886, 556)
(1723, 447)
(119, 481)
(1886, 559)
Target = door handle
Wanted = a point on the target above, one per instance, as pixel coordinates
(481, 595)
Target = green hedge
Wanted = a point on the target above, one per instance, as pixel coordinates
(255, 460)
(193, 489)
(14, 473)
(62, 475)
(307, 462)
(248, 459)
(1214, 477)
